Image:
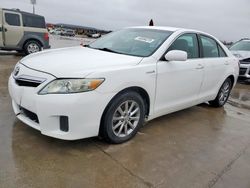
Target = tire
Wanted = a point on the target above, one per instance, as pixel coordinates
(32, 46)
(223, 94)
(120, 125)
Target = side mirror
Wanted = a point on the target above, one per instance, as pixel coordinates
(176, 55)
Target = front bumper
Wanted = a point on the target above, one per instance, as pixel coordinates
(83, 110)
(244, 71)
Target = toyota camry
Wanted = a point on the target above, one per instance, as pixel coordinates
(113, 85)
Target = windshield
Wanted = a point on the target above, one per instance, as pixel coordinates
(241, 46)
(135, 42)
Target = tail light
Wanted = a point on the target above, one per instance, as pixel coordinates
(46, 36)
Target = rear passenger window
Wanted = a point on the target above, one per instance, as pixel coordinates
(210, 48)
(33, 21)
(187, 43)
(12, 19)
(222, 52)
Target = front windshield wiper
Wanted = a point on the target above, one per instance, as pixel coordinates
(108, 50)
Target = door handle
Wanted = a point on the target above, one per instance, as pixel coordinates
(200, 66)
(3, 29)
(150, 72)
(226, 63)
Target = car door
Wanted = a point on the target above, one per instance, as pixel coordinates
(1, 28)
(179, 82)
(13, 30)
(215, 60)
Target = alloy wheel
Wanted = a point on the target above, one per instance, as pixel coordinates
(126, 118)
(224, 93)
(32, 48)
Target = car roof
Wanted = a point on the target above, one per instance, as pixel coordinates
(173, 29)
(246, 39)
(158, 28)
(23, 12)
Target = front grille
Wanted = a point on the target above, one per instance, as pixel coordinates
(243, 71)
(32, 116)
(27, 83)
(245, 61)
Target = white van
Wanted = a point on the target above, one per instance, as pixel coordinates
(22, 31)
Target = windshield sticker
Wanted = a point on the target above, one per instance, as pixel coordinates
(144, 39)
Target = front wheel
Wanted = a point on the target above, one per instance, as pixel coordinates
(123, 118)
(223, 94)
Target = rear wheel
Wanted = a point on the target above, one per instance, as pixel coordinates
(32, 46)
(123, 118)
(223, 94)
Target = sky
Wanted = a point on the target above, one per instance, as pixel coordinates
(226, 19)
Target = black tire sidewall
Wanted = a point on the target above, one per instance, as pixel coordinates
(107, 123)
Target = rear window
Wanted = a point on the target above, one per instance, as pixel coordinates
(222, 52)
(33, 21)
(209, 46)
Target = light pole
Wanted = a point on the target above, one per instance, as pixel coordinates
(33, 2)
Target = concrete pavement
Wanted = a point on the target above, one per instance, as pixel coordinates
(197, 147)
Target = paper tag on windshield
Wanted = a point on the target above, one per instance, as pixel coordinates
(144, 39)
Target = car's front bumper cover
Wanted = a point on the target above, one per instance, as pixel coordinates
(83, 110)
(244, 71)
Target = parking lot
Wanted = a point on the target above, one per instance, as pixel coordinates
(197, 147)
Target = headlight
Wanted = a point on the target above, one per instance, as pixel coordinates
(66, 86)
(238, 55)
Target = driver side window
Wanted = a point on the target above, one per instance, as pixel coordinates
(187, 43)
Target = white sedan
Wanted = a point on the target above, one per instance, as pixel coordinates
(115, 84)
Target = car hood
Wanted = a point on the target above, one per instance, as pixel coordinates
(76, 61)
(241, 54)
